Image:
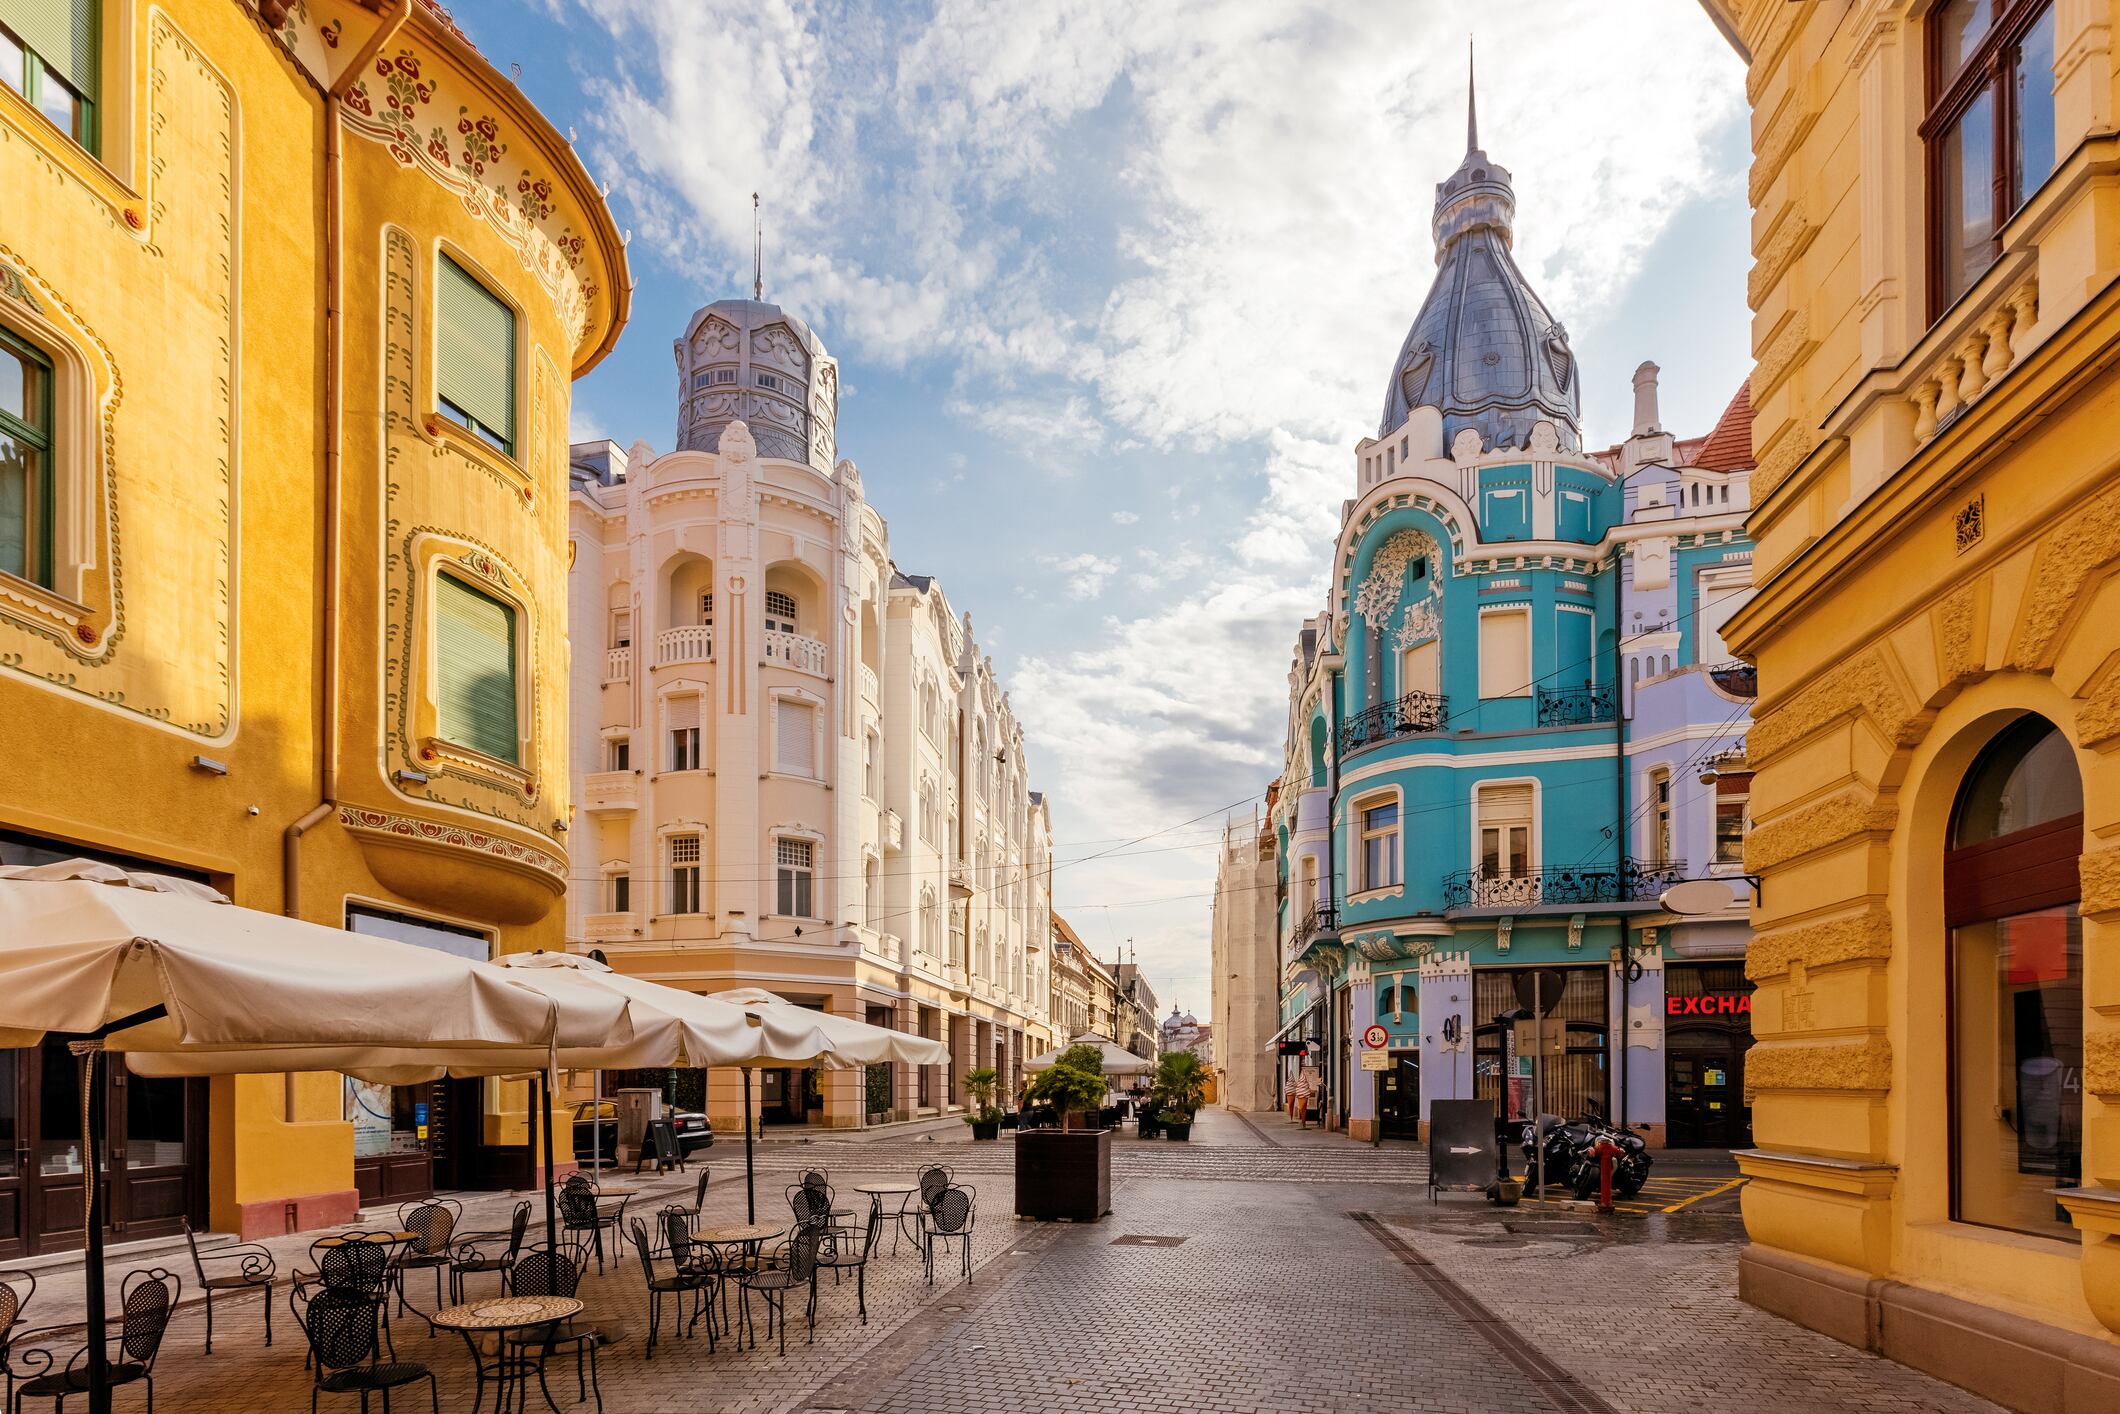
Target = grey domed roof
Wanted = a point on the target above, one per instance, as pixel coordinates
(1484, 349)
(749, 360)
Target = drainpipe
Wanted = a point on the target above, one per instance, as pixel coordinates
(1619, 822)
(334, 456)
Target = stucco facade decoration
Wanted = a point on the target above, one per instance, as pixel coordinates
(1937, 528)
(794, 769)
(230, 655)
(1513, 726)
(1244, 953)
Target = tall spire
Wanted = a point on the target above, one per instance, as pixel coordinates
(758, 252)
(1472, 101)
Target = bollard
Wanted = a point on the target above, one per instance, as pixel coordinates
(1607, 1154)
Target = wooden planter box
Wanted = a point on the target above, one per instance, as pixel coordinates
(989, 1129)
(1063, 1174)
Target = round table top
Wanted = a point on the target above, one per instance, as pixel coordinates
(613, 1190)
(340, 1239)
(506, 1313)
(740, 1232)
(881, 1189)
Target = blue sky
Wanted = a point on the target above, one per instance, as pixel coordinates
(1115, 289)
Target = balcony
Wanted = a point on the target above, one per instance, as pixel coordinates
(792, 650)
(608, 792)
(1322, 919)
(1737, 679)
(871, 689)
(961, 881)
(618, 665)
(893, 830)
(1633, 882)
(1574, 707)
(687, 643)
(612, 927)
(1412, 714)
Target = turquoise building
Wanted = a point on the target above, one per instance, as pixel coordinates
(1514, 727)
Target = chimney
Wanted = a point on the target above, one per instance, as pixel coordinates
(1645, 419)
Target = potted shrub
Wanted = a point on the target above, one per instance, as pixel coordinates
(1181, 1088)
(1066, 1172)
(981, 1113)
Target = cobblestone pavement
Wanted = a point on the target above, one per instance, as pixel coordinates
(1267, 1285)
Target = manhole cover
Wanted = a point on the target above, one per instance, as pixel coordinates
(1146, 1239)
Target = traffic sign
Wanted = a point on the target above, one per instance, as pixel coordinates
(1377, 1060)
(1376, 1038)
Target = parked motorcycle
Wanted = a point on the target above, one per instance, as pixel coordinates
(1571, 1155)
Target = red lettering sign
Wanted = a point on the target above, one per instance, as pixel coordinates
(1726, 1004)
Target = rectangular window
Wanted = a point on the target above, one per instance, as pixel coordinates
(706, 609)
(475, 697)
(621, 893)
(780, 612)
(1505, 653)
(621, 628)
(1380, 844)
(1989, 130)
(1660, 817)
(474, 356)
(51, 54)
(1733, 798)
(621, 756)
(684, 733)
(25, 462)
(684, 873)
(794, 859)
(1505, 831)
(794, 737)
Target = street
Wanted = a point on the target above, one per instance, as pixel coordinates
(1258, 1268)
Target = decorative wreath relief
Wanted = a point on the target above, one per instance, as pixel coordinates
(1420, 623)
(1379, 594)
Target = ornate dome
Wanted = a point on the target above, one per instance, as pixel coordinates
(754, 362)
(1483, 349)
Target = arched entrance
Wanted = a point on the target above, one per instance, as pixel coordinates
(2011, 894)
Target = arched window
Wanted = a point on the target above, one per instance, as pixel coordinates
(2010, 899)
(1387, 1001)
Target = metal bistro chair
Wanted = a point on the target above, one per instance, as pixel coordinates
(359, 1264)
(341, 1325)
(815, 1178)
(540, 1271)
(579, 1212)
(148, 1297)
(16, 1288)
(699, 1197)
(255, 1270)
(432, 1222)
(812, 1207)
(933, 1179)
(472, 1256)
(949, 1219)
(795, 1266)
(839, 1253)
(682, 1278)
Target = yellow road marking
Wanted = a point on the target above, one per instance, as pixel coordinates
(1718, 1189)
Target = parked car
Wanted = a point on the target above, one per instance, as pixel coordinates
(694, 1130)
(587, 1144)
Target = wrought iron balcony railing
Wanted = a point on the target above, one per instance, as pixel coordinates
(1737, 679)
(1574, 707)
(1323, 918)
(1632, 882)
(1413, 713)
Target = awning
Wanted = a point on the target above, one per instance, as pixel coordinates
(1300, 1019)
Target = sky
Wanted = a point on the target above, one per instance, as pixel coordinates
(1115, 289)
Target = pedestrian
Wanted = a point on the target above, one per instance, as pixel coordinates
(1306, 1086)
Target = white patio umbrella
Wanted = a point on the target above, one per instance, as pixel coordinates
(185, 983)
(833, 1041)
(1117, 1059)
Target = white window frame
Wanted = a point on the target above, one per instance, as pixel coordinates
(1534, 841)
(685, 883)
(1358, 810)
(816, 705)
(788, 878)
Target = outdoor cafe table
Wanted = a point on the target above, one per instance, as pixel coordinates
(741, 1235)
(340, 1239)
(513, 1363)
(877, 1192)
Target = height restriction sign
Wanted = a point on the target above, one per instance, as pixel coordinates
(1376, 1038)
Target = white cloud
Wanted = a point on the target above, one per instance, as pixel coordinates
(1086, 574)
(1124, 517)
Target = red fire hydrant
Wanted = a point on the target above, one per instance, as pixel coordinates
(1607, 1154)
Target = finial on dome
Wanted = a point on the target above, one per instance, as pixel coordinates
(1472, 101)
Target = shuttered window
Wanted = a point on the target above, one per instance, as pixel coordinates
(1505, 653)
(474, 354)
(475, 670)
(684, 732)
(50, 53)
(1505, 831)
(794, 732)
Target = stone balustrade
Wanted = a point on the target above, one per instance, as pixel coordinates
(1982, 353)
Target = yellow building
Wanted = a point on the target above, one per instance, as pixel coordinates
(291, 299)
(1937, 632)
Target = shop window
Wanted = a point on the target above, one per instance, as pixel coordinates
(794, 861)
(25, 457)
(794, 737)
(684, 732)
(1505, 831)
(1505, 653)
(474, 356)
(1379, 817)
(51, 54)
(2011, 898)
(475, 693)
(684, 873)
(1989, 130)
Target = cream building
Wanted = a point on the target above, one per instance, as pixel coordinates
(793, 768)
(1245, 949)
